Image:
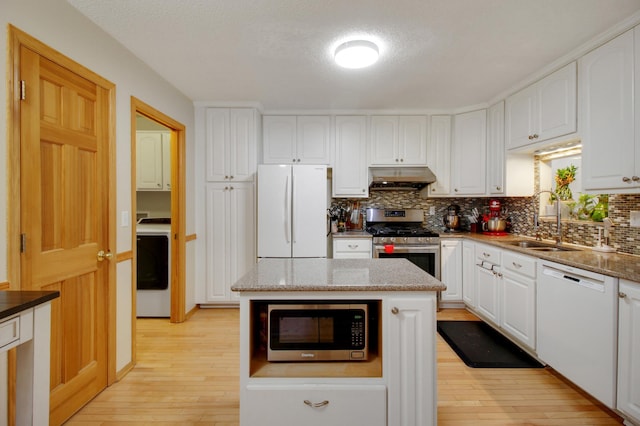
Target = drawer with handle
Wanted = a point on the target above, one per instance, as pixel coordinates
(9, 332)
(352, 248)
(315, 405)
(523, 265)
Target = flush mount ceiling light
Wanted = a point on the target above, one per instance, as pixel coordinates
(356, 54)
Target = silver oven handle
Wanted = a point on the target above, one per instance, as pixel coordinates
(405, 249)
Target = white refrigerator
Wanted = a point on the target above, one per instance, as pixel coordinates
(292, 210)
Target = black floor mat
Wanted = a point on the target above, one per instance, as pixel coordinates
(480, 346)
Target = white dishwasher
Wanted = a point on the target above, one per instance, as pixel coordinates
(577, 327)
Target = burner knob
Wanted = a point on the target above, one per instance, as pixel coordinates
(404, 240)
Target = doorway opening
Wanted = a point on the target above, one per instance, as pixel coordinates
(158, 191)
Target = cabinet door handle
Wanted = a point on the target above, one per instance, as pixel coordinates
(622, 295)
(498, 188)
(625, 179)
(353, 246)
(635, 178)
(485, 254)
(516, 265)
(395, 310)
(316, 404)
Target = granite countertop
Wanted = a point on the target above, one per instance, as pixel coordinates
(351, 234)
(12, 302)
(337, 275)
(616, 265)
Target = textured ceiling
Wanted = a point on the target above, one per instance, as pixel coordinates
(435, 54)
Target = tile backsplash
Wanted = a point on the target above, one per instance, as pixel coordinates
(520, 209)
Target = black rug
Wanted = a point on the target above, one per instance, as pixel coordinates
(480, 346)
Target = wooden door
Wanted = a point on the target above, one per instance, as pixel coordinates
(64, 192)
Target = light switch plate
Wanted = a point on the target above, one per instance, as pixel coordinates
(634, 219)
(124, 218)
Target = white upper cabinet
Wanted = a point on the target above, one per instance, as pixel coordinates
(495, 150)
(230, 144)
(350, 173)
(469, 153)
(398, 140)
(439, 155)
(545, 110)
(153, 161)
(296, 139)
(610, 141)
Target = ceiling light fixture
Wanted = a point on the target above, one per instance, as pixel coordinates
(356, 54)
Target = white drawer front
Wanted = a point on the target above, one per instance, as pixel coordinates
(352, 245)
(488, 253)
(523, 265)
(9, 331)
(315, 405)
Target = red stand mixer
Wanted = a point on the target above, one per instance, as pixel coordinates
(495, 223)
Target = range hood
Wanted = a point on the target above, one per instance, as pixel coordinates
(400, 178)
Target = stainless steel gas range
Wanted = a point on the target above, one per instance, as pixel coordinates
(400, 233)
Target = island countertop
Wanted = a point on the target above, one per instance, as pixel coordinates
(336, 275)
(12, 302)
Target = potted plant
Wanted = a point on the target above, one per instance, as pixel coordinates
(563, 178)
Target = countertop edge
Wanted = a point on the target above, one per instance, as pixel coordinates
(564, 258)
(39, 297)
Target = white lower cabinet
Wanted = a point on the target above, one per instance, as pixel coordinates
(488, 282)
(451, 270)
(230, 242)
(518, 317)
(410, 360)
(315, 405)
(505, 291)
(469, 273)
(629, 350)
(352, 248)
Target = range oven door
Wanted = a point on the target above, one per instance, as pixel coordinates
(426, 257)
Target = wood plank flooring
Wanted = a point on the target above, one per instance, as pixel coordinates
(188, 374)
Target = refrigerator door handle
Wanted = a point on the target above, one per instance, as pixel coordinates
(287, 210)
(293, 212)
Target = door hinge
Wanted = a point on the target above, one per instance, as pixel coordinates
(23, 243)
(23, 90)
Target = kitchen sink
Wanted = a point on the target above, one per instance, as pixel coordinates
(538, 246)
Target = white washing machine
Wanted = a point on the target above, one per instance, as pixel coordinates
(153, 293)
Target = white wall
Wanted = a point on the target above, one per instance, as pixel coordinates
(59, 25)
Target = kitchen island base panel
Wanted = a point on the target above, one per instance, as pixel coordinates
(402, 369)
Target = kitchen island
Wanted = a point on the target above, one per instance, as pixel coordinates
(395, 385)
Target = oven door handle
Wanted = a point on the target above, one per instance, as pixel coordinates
(405, 249)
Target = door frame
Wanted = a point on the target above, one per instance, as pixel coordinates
(178, 203)
(18, 38)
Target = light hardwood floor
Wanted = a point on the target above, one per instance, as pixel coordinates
(188, 374)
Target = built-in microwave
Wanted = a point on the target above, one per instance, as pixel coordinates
(317, 332)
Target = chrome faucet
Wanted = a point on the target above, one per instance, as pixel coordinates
(536, 208)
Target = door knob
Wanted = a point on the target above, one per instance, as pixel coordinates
(102, 255)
